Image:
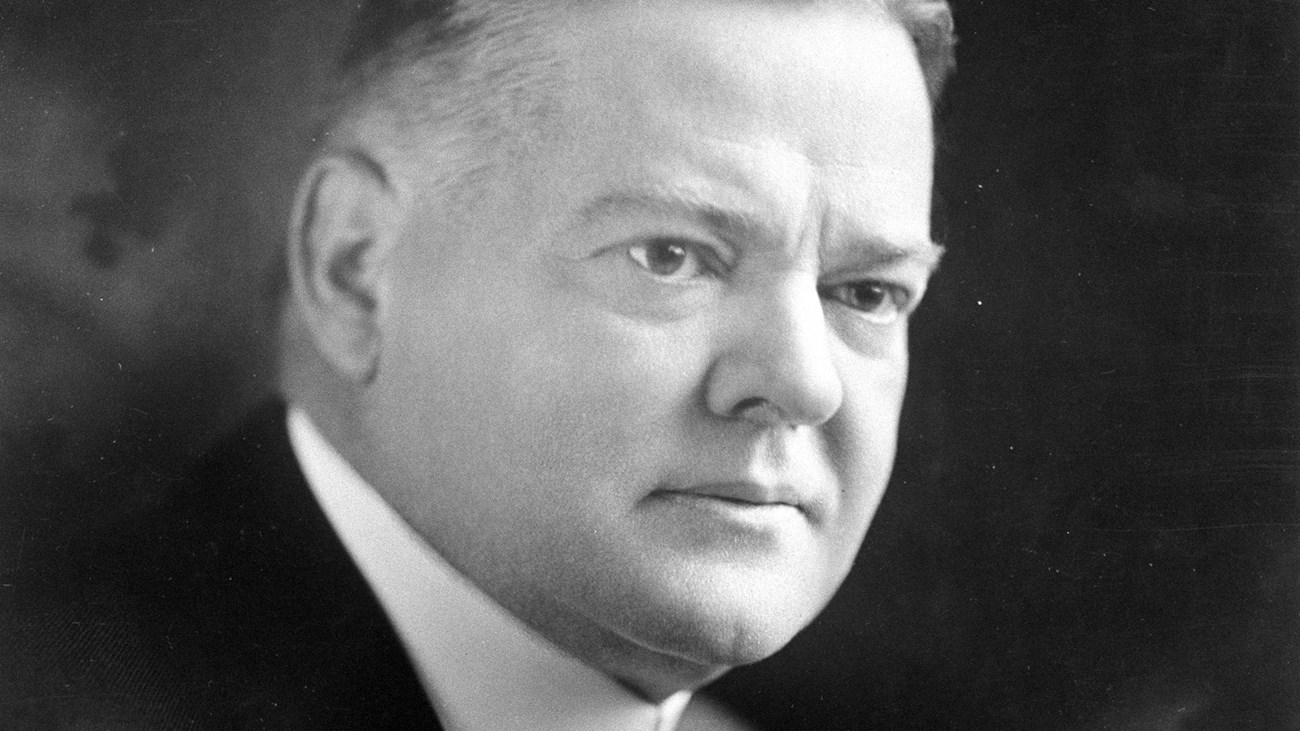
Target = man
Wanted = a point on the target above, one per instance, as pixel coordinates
(146, 167)
(609, 304)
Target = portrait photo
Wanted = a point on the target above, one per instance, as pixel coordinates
(649, 365)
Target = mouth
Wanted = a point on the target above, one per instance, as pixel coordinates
(740, 495)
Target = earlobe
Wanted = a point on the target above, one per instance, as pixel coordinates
(343, 228)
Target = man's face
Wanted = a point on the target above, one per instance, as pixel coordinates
(646, 392)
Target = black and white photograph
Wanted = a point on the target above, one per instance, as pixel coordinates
(650, 365)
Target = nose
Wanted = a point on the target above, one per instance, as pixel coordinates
(776, 366)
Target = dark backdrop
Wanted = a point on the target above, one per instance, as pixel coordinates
(1094, 519)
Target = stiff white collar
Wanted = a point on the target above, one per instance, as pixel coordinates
(482, 668)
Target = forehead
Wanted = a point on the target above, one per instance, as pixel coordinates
(835, 78)
(743, 59)
(724, 96)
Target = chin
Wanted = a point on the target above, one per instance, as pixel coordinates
(687, 650)
(722, 624)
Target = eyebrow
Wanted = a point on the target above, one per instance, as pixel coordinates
(734, 224)
(730, 223)
(887, 251)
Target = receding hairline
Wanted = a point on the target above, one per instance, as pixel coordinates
(477, 78)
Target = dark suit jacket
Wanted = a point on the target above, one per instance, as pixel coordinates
(230, 605)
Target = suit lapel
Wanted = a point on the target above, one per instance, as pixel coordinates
(286, 625)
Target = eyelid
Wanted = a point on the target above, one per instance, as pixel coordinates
(883, 279)
(902, 293)
(907, 301)
(894, 308)
(910, 277)
(711, 259)
(905, 298)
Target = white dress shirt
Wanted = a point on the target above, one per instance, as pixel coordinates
(482, 668)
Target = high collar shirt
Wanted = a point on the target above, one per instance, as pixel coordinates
(482, 668)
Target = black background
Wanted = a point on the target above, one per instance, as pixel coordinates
(1093, 523)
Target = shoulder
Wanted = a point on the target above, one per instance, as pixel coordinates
(82, 646)
(230, 604)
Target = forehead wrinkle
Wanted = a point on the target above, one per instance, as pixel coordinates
(885, 251)
(729, 222)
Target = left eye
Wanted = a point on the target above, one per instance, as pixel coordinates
(669, 259)
(881, 303)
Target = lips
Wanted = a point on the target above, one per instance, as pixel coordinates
(742, 493)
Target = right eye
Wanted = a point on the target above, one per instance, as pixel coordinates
(672, 260)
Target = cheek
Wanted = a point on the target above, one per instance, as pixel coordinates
(557, 393)
(613, 394)
(863, 435)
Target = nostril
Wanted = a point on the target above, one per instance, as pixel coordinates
(744, 405)
(761, 411)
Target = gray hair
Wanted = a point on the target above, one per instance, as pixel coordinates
(475, 73)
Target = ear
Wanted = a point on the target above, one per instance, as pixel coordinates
(344, 225)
